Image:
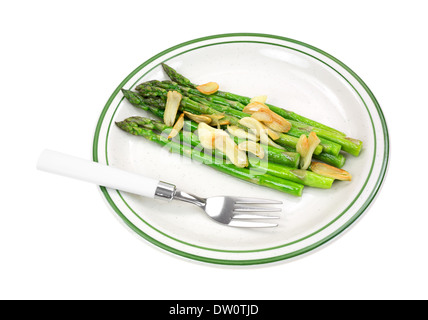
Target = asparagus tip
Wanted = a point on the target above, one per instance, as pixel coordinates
(120, 124)
(125, 92)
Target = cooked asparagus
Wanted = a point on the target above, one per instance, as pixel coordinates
(246, 174)
(156, 104)
(350, 145)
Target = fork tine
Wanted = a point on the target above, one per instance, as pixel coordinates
(243, 200)
(255, 209)
(251, 224)
(253, 216)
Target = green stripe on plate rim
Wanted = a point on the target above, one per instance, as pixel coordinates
(254, 250)
(249, 261)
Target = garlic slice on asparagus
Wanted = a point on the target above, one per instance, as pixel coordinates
(177, 126)
(241, 133)
(206, 135)
(267, 116)
(305, 147)
(212, 138)
(198, 117)
(253, 147)
(261, 99)
(217, 119)
(208, 88)
(225, 144)
(257, 127)
(327, 170)
(171, 107)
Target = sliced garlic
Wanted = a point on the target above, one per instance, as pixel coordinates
(225, 144)
(257, 127)
(198, 117)
(261, 99)
(212, 138)
(274, 144)
(208, 88)
(177, 126)
(270, 118)
(241, 133)
(206, 135)
(313, 140)
(306, 147)
(216, 116)
(254, 106)
(253, 124)
(276, 126)
(274, 135)
(217, 119)
(330, 171)
(302, 145)
(253, 147)
(172, 103)
(262, 116)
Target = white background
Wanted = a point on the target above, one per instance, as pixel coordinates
(60, 61)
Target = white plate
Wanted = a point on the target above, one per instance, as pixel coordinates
(294, 75)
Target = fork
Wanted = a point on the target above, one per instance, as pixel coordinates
(231, 211)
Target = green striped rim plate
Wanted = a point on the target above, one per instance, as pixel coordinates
(295, 76)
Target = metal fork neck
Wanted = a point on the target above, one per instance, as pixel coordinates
(167, 191)
(187, 197)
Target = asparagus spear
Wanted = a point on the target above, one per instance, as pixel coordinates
(195, 95)
(245, 174)
(156, 104)
(304, 177)
(177, 77)
(336, 161)
(286, 158)
(331, 142)
(295, 131)
(188, 104)
(180, 79)
(349, 145)
(148, 90)
(190, 90)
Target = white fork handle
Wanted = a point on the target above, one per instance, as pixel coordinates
(100, 174)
